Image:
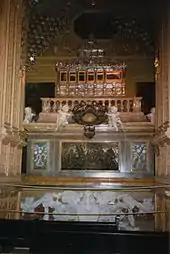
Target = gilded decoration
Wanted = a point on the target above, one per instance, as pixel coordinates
(85, 77)
(90, 113)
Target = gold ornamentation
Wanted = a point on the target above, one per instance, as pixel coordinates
(89, 113)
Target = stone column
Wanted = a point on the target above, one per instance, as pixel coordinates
(11, 87)
(162, 133)
(160, 218)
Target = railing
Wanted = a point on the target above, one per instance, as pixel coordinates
(139, 211)
(127, 105)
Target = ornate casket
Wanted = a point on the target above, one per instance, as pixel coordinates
(98, 80)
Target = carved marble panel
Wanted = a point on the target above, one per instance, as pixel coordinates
(40, 155)
(139, 156)
(134, 208)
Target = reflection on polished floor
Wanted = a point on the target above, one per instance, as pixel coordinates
(35, 217)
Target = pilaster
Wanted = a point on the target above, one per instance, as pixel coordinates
(162, 134)
(167, 210)
(160, 218)
(162, 207)
(12, 82)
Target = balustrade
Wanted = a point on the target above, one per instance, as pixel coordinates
(127, 105)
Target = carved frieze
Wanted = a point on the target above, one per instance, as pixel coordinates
(101, 206)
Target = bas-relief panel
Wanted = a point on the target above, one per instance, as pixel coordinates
(139, 156)
(89, 156)
(40, 156)
(83, 205)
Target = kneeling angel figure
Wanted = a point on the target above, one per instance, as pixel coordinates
(63, 116)
(28, 116)
(114, 118)
(151, 115)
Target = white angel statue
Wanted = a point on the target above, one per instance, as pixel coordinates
(151, 115)
(114, 119)
(28, 115)
(63, 116)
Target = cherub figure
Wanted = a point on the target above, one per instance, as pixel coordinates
(114, 119)
(28, 118)
(151, 115)
(63, 116)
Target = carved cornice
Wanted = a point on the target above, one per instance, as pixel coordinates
(136, 128)
(12, 135)
(117, 183)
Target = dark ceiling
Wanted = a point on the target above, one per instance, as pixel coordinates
(98, 23)
(104, 25)
(102, 18)
(124, 7)
(107, 4)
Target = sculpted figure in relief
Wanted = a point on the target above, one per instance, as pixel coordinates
(114, 119)
(63, 116)
(151, 115)
(28, 118)
(90, 206)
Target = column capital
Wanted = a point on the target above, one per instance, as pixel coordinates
(12, 135)
(162, 135)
